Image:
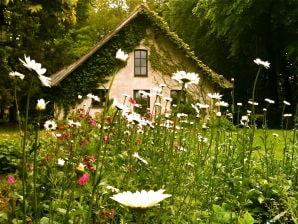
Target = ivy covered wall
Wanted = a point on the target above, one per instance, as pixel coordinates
(95, 70)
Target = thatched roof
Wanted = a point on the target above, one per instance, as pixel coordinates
(158, 21)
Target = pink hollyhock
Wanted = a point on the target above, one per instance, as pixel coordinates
(83, 180)
(11, 179)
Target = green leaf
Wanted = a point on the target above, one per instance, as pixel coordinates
(261, 199)
(3, 216)
(247, 219)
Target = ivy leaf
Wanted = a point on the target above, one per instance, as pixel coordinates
(35, 8)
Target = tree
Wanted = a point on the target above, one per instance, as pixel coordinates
(230, 34)
(35, 28)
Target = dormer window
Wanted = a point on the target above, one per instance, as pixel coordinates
(141, 62)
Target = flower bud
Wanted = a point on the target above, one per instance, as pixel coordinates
(41, 104)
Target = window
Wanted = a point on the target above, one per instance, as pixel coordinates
(175, 94)
(142, 98)
(101, 93)
(140, 63)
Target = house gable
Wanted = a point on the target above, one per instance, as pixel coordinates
(141, 27)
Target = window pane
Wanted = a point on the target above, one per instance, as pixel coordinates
(143, 71)
(137, 54)
(137, 70)
(137, 62)
(143, 62)
(144, 54)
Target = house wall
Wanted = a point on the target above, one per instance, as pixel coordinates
(168, 58)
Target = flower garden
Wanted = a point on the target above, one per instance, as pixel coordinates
(212, 165)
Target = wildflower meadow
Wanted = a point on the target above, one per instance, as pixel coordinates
(213, 164)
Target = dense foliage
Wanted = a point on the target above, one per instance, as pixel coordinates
(228, 35)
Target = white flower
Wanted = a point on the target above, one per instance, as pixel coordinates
(45, 81)
(288, 115)
(275, 135)
(137, 156)
(81, 167)
(269, 101)
(133, 118)
(221, 104)
(120, 106)
(286, 103)
(33, 65)
(50, 125)
(202, 106)
(204, 126)
(144, 93)
(244, 120)
(216, 96)
(79, 97)
(121, 55)
(61, 162)
(74, 124)
(253, 103)
(142, 199)
(187, 78)
(93, 97)
(168, 99)
(113, 189)
(17, 74)
(41, 104)
(181, 115)
(239, 104)
(265, 64)
(218, 114)
(196, 108)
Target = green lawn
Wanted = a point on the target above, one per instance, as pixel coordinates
(8, 131)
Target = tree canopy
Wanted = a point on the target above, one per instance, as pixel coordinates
(228, 35)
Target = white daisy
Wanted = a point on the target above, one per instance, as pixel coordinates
(50, 125)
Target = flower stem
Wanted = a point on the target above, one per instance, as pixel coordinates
(24, 160)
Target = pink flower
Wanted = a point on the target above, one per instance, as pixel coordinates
(11, 179)
(83, 180)
(67, 135)
(105, 138)
(132, 101)
(92, 121)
